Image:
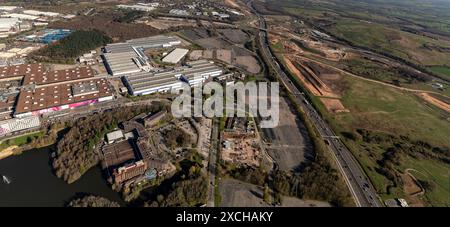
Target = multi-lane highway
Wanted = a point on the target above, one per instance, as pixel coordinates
(360, 187)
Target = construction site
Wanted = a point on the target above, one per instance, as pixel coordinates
(241, 143)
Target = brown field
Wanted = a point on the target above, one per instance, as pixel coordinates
(224, 55)
(412, 189)
(236, 193)
(311, 81)
(235, 35)
(249, 63)
(163, 23)
(334, 105)
(441, 104)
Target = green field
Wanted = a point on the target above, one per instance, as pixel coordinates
(21, 140)
(435, 172)
(388, 111)
(406, 29)
(408, 46)
(377, 107)
(441, 70)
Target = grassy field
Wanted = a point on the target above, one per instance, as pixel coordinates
(387, 129)
(377, 107)
(435, 172)
(19, 141)
(389, 111)
(415, 48)
(411, 30)
(441, 70)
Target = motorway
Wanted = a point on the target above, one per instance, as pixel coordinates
(212, 164)
(360, 187)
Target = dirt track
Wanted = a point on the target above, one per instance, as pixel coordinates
(427, 97)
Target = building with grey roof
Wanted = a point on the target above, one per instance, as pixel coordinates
(128, 57)
(194, 73)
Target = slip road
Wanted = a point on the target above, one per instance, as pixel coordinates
(205, 218)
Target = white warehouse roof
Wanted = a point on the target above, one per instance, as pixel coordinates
(113, 136)
(8, 8)
(21, 16)
(175, 56)
(8, 22)
(40, 13)
(16, 124)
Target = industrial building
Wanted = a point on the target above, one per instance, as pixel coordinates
(7, 102)
(53, 35)
(12, 25)
(16, 125)
(57, 76)
(35, 74)
(194, 73)
(41, 13)
(6, 24)
(128, 57)
(69, 95)
(175, 56)
(50, 91)
(138, 7)
(21, 16)
(8, 8)
(128, 156)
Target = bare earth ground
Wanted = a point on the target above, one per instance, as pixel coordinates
(224, 55)
(288, 143)
(412, 189)
(300, 76)
(212, 43)
(334, 105)
(164, 23)
(250, 63)
(236, 193)
(443, 105)
(235, 35)
(234, 4)
(7, 152)
(196, 54)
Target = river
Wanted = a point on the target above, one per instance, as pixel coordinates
(34, 184)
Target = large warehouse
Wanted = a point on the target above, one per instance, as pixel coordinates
(49, 91)
(16, 125)
(128, 57)
(194, 73)
(175, 56)
(6, 24)
(68, 95)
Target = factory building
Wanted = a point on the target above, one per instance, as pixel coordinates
(69, 95)
(137, 7)
(50, 91)
(8, 8)
(16, 125)
(21, 16)
(41, 13)
(6, 24)
(175, 56)
(128, 57)
(194, 73)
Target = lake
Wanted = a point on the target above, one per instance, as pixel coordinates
(34, 184)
